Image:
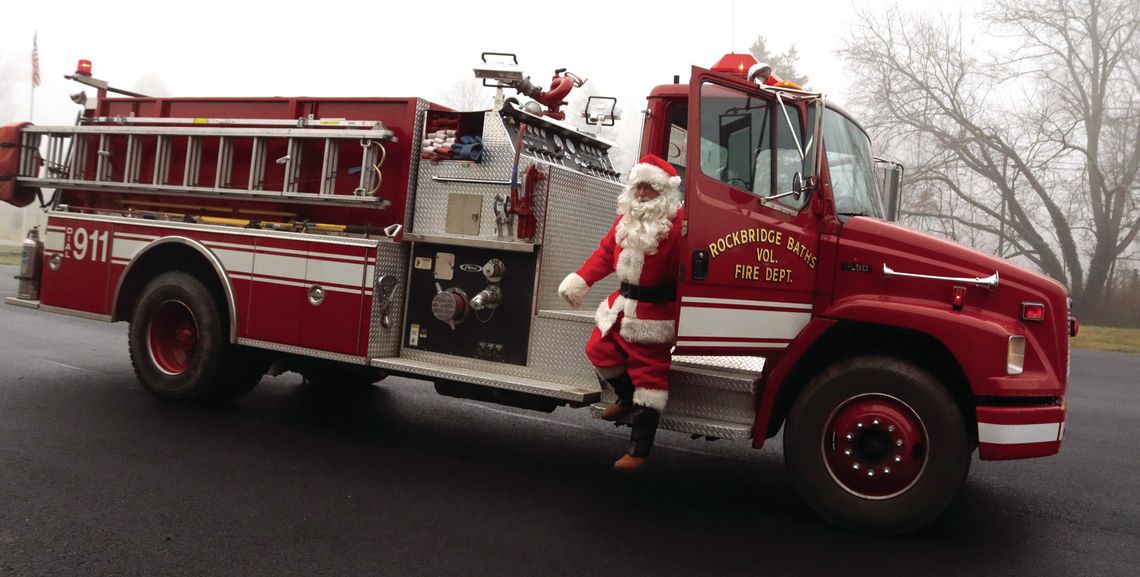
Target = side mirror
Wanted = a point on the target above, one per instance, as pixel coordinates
(890, 182)
(799, 187)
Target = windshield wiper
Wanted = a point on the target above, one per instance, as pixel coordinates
(852, 213)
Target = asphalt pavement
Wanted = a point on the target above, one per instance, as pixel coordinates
(99, 478)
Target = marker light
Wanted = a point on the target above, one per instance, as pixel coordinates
(83, 68)
(1015, 356)
(1032, 312)
(734, 63)
(958, 300)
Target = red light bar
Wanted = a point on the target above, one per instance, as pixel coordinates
(734, 63)
(958, 298)
(1032, 312)
(83, 68)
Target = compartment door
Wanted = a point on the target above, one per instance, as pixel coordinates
(278, 291)
(335, 283)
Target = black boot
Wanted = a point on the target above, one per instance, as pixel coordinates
(644, 424)
(623, 388)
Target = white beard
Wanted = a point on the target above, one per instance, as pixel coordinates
(645, 223)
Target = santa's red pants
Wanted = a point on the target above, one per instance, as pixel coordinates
(647, 364)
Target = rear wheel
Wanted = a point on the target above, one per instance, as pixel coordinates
(177, 338)
(877, 444)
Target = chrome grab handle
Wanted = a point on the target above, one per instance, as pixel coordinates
(990, 281)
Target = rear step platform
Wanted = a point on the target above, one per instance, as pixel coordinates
(430, 370)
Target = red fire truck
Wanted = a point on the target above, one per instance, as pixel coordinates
(349, 239)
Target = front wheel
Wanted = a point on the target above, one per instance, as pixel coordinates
(877, 444)
(177, 338)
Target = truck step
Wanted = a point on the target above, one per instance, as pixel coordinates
(693, 425)
(430, 370)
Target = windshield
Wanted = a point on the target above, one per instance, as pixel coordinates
(851, 167)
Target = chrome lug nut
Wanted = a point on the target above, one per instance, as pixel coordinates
(898, 459)
(859, 424)
(855, 466)
(899, 443)
(875, 422)
(871, 473)
(847, 453)
(886, 470)
(891, 429)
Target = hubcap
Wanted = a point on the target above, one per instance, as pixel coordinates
(172, 337)
(875, 446)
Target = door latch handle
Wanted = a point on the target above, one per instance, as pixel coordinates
(700, 264)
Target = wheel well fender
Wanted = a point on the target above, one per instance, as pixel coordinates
(848, 339)
(175, 253)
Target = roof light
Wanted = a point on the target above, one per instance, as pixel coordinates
(734, 63)
(83, 68)
(1032, 312)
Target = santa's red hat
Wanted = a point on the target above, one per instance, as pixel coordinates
(655, 172)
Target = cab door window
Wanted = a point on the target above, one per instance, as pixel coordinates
(747, 143)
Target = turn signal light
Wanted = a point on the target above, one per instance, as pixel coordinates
(1032, 312)
(83, 68)
(958, 299)
(1074, 326)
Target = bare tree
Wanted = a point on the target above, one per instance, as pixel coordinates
(782, 63)
(1035, 144)
(467, 94)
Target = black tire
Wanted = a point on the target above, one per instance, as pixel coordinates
(860, 396)
(241, 372)
(171, 365)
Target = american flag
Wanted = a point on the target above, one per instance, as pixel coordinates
(35, 60)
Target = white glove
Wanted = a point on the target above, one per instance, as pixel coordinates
(574, 289)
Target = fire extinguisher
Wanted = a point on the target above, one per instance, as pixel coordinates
(31, 265)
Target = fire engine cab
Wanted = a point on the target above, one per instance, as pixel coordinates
(349, 239)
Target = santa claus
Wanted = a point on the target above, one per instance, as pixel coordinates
(630, 346)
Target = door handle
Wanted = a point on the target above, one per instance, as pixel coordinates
(700, 264)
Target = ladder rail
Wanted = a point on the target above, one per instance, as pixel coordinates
(160, 146)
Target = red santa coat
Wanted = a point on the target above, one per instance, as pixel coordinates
(649, 323)
(642, 322)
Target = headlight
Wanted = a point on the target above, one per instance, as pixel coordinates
(1015, 355)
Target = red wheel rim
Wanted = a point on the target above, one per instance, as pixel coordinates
(172, 337)
(875, 446)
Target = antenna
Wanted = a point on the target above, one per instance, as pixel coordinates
(733, 27)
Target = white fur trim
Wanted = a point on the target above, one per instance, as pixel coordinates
(648, 332)
(574, 289)
(605, 317)
(652, 398)
(629, 264)
(650, 174)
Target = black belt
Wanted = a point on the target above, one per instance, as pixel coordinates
(660, 294)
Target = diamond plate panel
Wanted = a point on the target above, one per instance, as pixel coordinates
(570, 374)
(694, 426)
(688, 397)
(391, 259)
(302, 351)
(749, 365)
(498, 159)
(414, 163)
(557, 349)
(582, 382)
(580, 212)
